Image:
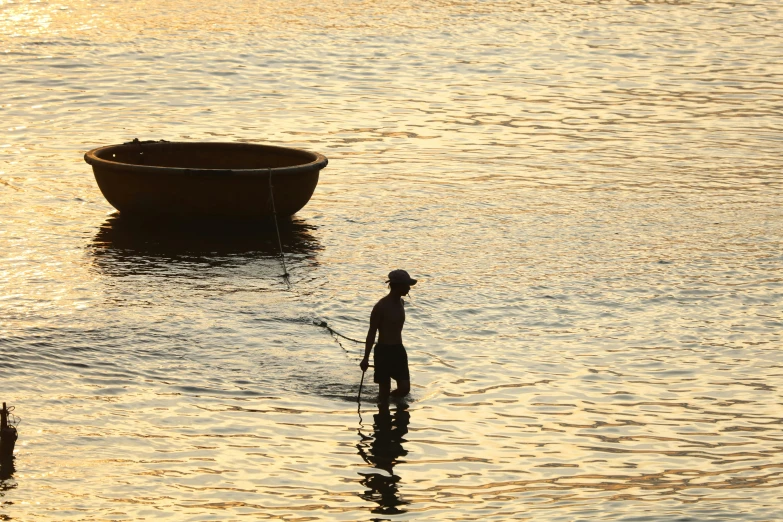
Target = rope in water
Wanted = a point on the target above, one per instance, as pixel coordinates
(336, 335)
(332, 331)
(285, 275)
(277, 228)
(322, 324)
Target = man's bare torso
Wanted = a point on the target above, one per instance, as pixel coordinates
(391, 311)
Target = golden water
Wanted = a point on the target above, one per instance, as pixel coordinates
(589, 192)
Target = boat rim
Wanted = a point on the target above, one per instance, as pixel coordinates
(320, 161)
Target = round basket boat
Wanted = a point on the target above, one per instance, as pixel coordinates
(205, 180)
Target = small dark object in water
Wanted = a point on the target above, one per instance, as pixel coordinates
(205, 180)
(8, 434)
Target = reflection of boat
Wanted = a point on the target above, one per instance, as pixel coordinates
(125, 244)
(211, 180)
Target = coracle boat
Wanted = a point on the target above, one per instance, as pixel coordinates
(205, 180)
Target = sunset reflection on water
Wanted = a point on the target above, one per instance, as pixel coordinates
(588, 192)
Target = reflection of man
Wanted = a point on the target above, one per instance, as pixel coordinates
(382, 451)
(387, 319)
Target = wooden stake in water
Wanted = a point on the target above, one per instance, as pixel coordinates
(8, 434)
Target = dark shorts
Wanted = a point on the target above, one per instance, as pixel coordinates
(391, 360)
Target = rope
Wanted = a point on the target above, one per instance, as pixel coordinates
(332, 331)
(12, 420)
(277, 228)
(337, 335)
(322, 324)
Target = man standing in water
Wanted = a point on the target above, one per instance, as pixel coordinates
(387, 319)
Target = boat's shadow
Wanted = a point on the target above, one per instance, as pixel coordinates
(125, 245)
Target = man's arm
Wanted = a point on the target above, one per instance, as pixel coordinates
(375, 321)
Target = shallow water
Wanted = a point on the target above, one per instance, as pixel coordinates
(589, 193)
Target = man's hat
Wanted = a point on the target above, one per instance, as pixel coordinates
(401, 277)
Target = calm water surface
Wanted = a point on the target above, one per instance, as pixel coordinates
(589, 192)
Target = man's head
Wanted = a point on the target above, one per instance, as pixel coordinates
(400, 281)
